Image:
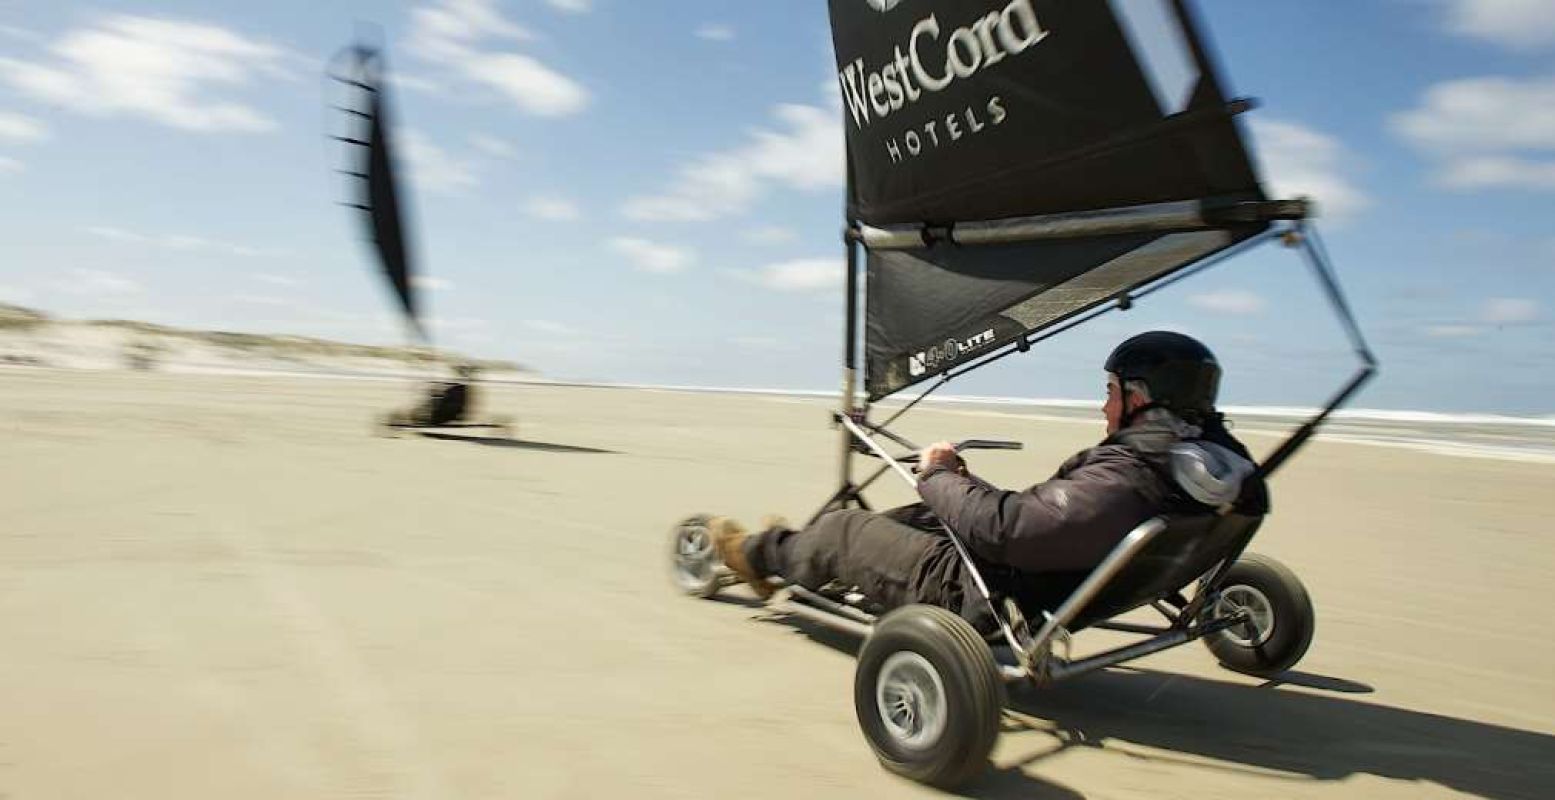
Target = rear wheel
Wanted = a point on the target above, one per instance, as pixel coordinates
(694, 560)
(928, 696)
(1280, 619)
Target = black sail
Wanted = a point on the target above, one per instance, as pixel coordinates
(962, 111)
(372, 161)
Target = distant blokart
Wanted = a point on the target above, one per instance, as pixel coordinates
(448, 405)
(369, 158)
(1073, 158)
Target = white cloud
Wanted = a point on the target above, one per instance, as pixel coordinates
(19, 128)
(1483, 114)
(492, 146)
(1517, 24)
(531, 86)
(571, 6)
(1230, 301)
(1298, 161)
(759, 342)
(174, 241)
(432, 168)
(552, 209)
(15, 294)
(414, 83)
(652, 256)
(430, 284)
(800, 275)
(449, 32)
(1509, 310)
(1497, 311)
(118, 234)
(549, 327)
(164, 70)
(1488, 172)
(100, 283)
(446, 29)
(1453, 331)
(770, 235)
(1486, 132)
(806, 153)
(20, 34)
(715, 33)
(10, 166)
(272, 279)
(261, 300)
(466, 328)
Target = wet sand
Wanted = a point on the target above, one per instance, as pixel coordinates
(227, 587)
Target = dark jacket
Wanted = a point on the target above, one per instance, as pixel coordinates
(1070, 522)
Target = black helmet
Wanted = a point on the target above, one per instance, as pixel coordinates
(1180, 372)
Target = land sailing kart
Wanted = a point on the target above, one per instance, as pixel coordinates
(1089, 196)
(928, 688)
(448, 407)
(359, 72)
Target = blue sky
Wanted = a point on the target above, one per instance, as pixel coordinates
(651, 192)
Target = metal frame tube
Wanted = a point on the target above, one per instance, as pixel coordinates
(1129, 627)
(961, 549)
(1181, 215)
(827, 618)
(1317, 259)
(1124, 552)
(849, 353)
(1068, 669)
(856, 430)
(800, 594)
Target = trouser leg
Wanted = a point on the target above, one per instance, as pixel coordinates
(876, 554)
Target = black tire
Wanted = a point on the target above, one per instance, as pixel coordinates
(695, 573)
(1279, 637)
(963, 672)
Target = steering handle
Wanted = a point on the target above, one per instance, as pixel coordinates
(971, 444)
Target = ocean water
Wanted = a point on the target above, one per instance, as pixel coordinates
(1497, 436)
(1530, 439)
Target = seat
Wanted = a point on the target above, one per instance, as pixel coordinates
(1189, 546)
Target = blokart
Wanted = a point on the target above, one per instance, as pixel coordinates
(447, 405)
(1072, 159)
(359, 72)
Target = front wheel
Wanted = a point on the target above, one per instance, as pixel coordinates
(1280, 620)
(693, 558)
(928, 696)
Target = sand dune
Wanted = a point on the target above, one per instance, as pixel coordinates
(32, 338)
(216, 586)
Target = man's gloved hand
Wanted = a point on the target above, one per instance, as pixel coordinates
(941, 455)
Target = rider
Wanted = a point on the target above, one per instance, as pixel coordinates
(1167, 449)
(449, 401)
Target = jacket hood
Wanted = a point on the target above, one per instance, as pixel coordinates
(1210, 473)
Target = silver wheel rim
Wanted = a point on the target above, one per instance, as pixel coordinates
(910, 698)
(1260, 615)
(694, 556)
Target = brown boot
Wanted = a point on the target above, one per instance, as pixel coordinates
(729, 540)
(775, 522)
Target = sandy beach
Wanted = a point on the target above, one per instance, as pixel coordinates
(227, 587)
